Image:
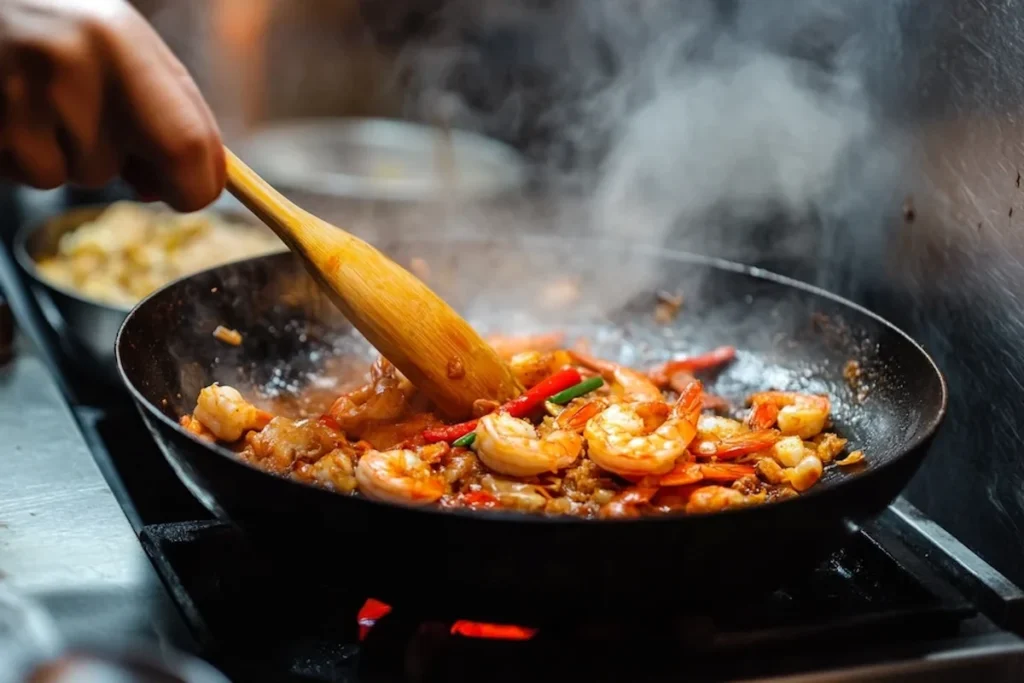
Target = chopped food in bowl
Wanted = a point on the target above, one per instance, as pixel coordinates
(131, 249)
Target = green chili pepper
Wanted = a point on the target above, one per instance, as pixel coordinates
(584, 387)
(465, 441)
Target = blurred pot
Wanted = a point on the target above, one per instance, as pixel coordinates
(368, 174)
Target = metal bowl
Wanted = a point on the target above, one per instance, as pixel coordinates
(87, 326)
(381, 159)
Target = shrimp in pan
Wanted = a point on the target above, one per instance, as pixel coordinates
(399, 476)
(626, 382)
(802, 415)
(512, 446)
(620, 439)
(223, 411)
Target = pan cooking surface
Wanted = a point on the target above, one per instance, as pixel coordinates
(789, 338)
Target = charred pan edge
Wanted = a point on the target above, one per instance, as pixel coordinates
(519, 518)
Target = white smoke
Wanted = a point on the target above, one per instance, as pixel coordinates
(747, 128)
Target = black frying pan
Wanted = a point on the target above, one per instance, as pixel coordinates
(507, 566)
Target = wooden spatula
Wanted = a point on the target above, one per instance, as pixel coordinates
(410, 325)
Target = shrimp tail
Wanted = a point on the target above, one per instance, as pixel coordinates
(691, 401)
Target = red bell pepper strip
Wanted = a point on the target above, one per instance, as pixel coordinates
(517, 407)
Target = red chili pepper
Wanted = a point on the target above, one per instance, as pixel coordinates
(517, 407)
(448, 432)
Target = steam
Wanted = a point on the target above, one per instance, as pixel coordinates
(747, 129)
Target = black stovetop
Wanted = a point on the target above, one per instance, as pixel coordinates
(863, 603)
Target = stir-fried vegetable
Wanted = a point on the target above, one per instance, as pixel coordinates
(465, 441)
(584, 387)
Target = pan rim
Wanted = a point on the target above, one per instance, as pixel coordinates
(504, 516)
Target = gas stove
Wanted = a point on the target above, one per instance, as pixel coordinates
(903, 601)
(877, 610)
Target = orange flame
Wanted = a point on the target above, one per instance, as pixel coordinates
(373, 610)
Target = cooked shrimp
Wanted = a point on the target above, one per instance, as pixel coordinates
(727, 439)
(737, 446)
(715, 498)
(512, 446)
(196, 427)
(399, 476)
(789, 451)
(385, 398)
(626, 382)
(515, 495)
(762, 415)
(715, 428)
(576, 415)
(805, 474)
(802, 415)
(801, 476)
(223, 411)
(334, 471)
(625, 503)
(533, 367)
(619, 439)
(284, 443)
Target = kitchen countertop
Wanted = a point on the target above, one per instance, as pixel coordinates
(64, 540)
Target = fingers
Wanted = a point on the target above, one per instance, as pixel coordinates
(172, 137)
(76, 92)
(32, 153)
(90, 90)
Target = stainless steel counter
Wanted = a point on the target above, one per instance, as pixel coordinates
(64, 539)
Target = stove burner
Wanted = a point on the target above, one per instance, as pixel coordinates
(373, 610)
(241, 601)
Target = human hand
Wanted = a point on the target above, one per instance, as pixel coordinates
(89, 91)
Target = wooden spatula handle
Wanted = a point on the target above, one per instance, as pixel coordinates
(269, 205)
(397, 313)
